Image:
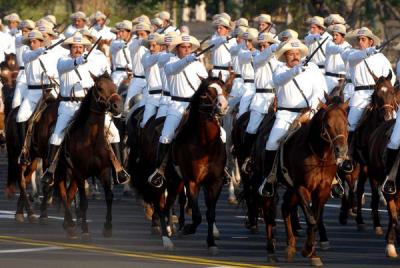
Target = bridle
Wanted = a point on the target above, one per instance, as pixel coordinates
(204, 108)
(102, 104)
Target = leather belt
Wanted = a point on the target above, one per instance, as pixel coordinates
(166, 93)
(221, 68)
(139, 76)
(76, 99)
(265, 90)
(238, 76)
(33, 87)
(183, 99)
(155, 91)
(21, 67)
(369, 87)
(294, 110)
(321, 66)
(248, 80)
(122, 69)
(348, 80)
(335, 75)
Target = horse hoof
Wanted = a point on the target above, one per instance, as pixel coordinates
(290, 253)
(167, 243)
(362, 227)
(43, 220)
(379, 230)
(32, 218)
(306, 253)
(353, 213)
(71, 233)
(271, 258)
(86, 237)
(175, 219)
(216, 233)
(390, 251)
(316, 262)
(155, 230)
(107, 232)
(324, 245)
(232, 201)
(213, 250)
(19, 217)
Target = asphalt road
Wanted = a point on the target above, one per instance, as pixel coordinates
(133, 245)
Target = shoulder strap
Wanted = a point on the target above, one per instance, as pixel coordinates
(187, 80)
(322, 49)
(77, 73)
(368, 68)
(125, 56)
(42, 65)
(301, 92)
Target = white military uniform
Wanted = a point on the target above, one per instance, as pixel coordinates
(72, 86)
(291, 101)
(348, 90)
(238, 83)
(33, 72)
(312, 41)
(13, 33)
(221, 56)
(104, 32)
(335, 68)
(6, 45)
(121, 60)
(154, 85)
(71, 30)
(21, 86)
(181, 92)
(98, 63)
(163, 59)
(138, 82)
(363, 81)
(246, 65)
(169, 29)
(265, 65)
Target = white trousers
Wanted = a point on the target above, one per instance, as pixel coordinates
(28, 105)
(354, 117)
(170, 125)
(20, 92)
(118, 76)
(254, 122)
(136, 87)
(279, 130)
(245, 101)
(394, 142)
(162, 110)
(149, 111)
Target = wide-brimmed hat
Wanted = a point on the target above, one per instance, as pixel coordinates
(250, 34)
(266, 37)
(12, 17)
(334, 19)
(363, 31)
(317, 20)
(141, 27)
(76, 39)
(242, 22)
(338, 28)
(164, 15)
(154, 37)
(86, 34)
(45, 28)
(223, 15)
(263, 18)
(141, 19)
(51, 18)
(99, 15)
(169, 38)
(239, 31)
(34, 34)
(184, 38)
(222, 22)
(78, 15)
(287, 34)
(290, 45)
(30, 24)
(125, 24)
(43, 22)
(157, 22)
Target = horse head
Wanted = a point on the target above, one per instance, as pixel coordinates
(333, 126)
(11, 61)
(8, 77)
(212, 96)
(384, 96)
(105, 94)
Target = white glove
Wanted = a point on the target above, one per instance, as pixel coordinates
(219, 41)
(41, 50)
(371, 51)
(190, 58)
(80, 60)
(274, 48)
(317, 37)
(299, 68)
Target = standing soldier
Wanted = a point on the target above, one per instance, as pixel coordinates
(298, 88)
(79, 21)
(26, 27)
(184, 71)
(41, 74)
(316, 35)
(121, 57)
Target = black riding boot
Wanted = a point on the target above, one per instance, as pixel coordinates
(267, 189)
(121, 177)
(48, 176)
(389, 186)
(248, 142)
(347, 165)
(24, 156)
(157, 178)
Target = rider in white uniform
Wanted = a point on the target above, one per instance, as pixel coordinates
(12, 30)
(184, 71)
(238, 83)
(76, 80)
(21, 87)
(79, 21)
(167, 23)
(298, 87)
(100, 27)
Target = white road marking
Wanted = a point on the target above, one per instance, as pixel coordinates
(8, 214)
(28, 250)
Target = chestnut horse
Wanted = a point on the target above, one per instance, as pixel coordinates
(85, 153)
(307, 168)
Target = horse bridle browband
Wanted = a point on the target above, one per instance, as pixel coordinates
(213, 102)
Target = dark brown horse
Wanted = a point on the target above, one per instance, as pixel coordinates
(376, 171)
(85, 153)
(310, 157)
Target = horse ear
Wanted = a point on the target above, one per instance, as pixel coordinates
(93, 77)
(389, 76)
(322, 105)
(345, 105)
(328, 99)
(201, 78)
(106, 75)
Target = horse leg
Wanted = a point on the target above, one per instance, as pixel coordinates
(252, 207)
(43, 205)
(19, 214)
(360, 192)
(375, 206)
(109, 196)
(344, 207)
(25, 199)
(323, 238)
(192, 191)
(392, 228)
(155, 223)
(290, 200)
(297, 229)
(182, 204)
(68, 224)
(269, 212)
(83, 205)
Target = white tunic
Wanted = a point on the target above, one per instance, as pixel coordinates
(153, 77)
(334, 63)
(6, 45)
(137, 51)
(98, 63)
(221, 55)
(121, 56)
(34, 70)
(104, 32)
(312, 43)
(20, 48)
(71, 30)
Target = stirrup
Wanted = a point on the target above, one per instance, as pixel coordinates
(347, 166)
(156, 179)
(23, 159)
(122, 177)
(47, 178)
(263, 191)
(246, 166)
(390, 188)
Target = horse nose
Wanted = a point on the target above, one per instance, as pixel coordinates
(116, 107)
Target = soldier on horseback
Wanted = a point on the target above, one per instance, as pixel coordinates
(184, 71)
(76, 80)
(298, 88)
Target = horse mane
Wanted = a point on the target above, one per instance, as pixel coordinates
(81, 115)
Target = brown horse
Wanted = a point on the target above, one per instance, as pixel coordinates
(310, 158)
(21, 174)
(85, 153)
(382, 108)
(376, 171)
